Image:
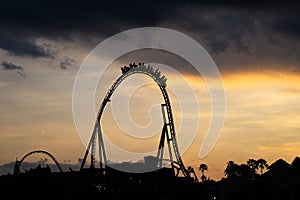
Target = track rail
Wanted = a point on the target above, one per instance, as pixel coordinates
(161, 82)
(18, 163)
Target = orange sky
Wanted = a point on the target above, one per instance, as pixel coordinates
(255, 45)
(262, 119)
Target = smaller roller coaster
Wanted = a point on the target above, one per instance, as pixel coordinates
(17, 167)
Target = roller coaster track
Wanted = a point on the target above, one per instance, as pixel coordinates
(18, 163)
(161, 82)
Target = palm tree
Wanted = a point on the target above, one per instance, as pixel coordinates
(245, 173)
(253, 164)
(262, 163)
(231, 169)
(203, 167)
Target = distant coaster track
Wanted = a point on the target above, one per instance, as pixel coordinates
(17, 168)
(161, 82)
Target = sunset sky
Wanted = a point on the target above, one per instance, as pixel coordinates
(255, 45)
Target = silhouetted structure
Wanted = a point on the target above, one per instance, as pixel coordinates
(168, 134)
(281, 181)
(241, 181)
(18, 163)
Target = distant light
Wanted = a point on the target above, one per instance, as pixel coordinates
(215, 197)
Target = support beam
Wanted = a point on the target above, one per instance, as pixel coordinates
(165, 137)
(102, 153)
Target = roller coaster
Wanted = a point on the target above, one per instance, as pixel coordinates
(168, 134)
(17, 167)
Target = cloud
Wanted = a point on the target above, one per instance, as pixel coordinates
(66, 63)
(56, 19)
(11, 66)
(21, 74)
(19, 43)
(231, 29)
(217, 45)
(289, 26)
(43, 161)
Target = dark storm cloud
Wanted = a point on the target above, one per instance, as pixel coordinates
(21, 22)
(218, 45)
(290, 26)
(10, 66)
(62, 18)
(222, 25)
(228, 28)
(56, 19)
(22, 45)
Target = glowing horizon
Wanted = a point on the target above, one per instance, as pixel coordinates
(261, 121)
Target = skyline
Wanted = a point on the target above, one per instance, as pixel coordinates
(255, 46)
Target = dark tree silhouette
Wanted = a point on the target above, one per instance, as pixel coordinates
(231, 169)
(203, 167)
(245, 173)
(235, 172)
(262, 164)
(253, 164)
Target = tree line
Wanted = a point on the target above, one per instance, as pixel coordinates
(243, 172)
